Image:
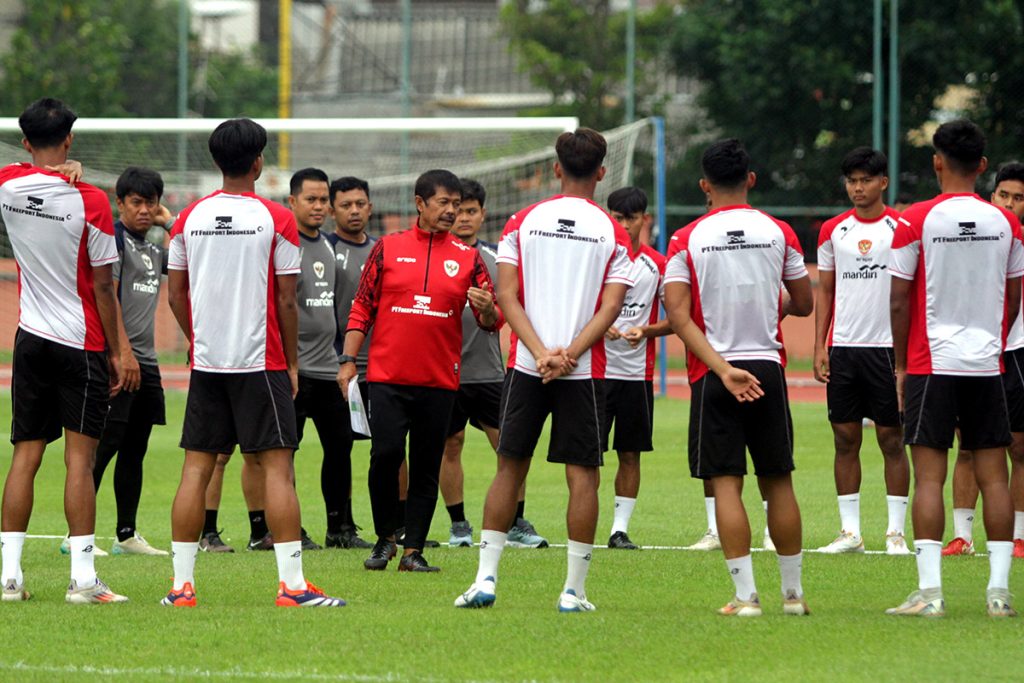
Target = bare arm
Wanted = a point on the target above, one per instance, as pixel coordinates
(130, 372)
(1013, 297)
(899, 319)
(110, 319)
(612, 297)
(823, 312)
(635, 335)
(177, 297)
(801, 297)
(515, 315)
(288, 324)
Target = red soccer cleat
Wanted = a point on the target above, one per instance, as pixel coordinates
(310, 597)
(186, 597)
(958, 546)
(1018, 548)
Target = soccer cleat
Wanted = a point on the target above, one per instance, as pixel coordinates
(308, 543)
(958, 546)
(621, 541)
(769, 544)
(896, 544)
(415, 562)
(211, 542)
(400, 539)
(383, 551)
(480, 594)
(265, 543)
(709, 541)
(461, 535)
(523, 535)
(347, 537)
(742, 608)
(136, 545)
(795, 605)
(921, 603)
(845, 543)
(65, 549)
(15, 592)
(310, 597)
(998, 600)
(1018, 548)
(186, 597)
(97, 594)
(570, 602)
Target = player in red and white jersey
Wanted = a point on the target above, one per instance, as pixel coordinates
(232, 269)
(67, 352)
(956, 265)
(724, 276)
(853, 347)
(629, 347)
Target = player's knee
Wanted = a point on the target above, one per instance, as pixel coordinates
(847, 440)
(965, 457)
(890, 441)
(629, 460)
(222, 460)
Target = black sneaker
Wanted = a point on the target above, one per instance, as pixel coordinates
(400, 539)
(383, 551)
(347, 537)
(211, 542)
(415, 562)
(265, 543)
(621, 541)
(308, 543)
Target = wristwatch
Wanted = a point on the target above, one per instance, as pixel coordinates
(345, 358)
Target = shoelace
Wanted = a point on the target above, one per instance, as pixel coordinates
(527, 528)
(310, 588)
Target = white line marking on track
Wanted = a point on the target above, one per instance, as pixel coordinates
(182, 673)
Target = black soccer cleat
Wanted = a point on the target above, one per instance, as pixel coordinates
(308, 543)
(415, 562)
(620, 541)
(347, 537)
(265, 543)
(383, 551)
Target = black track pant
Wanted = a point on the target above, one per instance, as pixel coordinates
(128, 441)
(321, 400)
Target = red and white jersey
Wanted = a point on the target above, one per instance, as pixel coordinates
(639, 308)
(858, 252)
(1015, 338)
(59, 233)
(735, 259)
(566, 249)
(233, 246)
(958, 251)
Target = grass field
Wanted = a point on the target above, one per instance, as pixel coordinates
(655, 618)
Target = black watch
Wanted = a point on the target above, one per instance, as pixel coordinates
(345, 358)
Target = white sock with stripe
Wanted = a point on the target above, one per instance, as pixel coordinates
(11, 545)
(623, 511)
(709, 508)
(83, 567)
(183, 557)
(289, 565)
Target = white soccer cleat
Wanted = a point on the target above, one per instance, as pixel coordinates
(769, 544)
(921, 603)
(709, 541)
(998, 603)
(896, 544)
(570, 602)
(795, 605)
(480, 594)
(15, 592)
(65, 549)
(845, 543)
(136, 545)
(741, 608)
(97, 594)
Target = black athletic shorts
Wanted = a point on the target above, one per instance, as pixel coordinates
(862, 383)
(935, 405)
(630, 405)
(252, 409)
(143, 405)
(722, 429)
(1013, 384)
(477, 404)
(576, 407)
(57, 387)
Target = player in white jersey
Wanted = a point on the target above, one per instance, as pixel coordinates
(629, 377)
(233, 261)
(956, 265)
(725, 274)
(853, 347)
(1009, 194)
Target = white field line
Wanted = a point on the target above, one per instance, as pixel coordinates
(193, 673)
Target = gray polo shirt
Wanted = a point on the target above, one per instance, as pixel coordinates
(350, 258)
(481, 350)
(315, 292)
(137, 271)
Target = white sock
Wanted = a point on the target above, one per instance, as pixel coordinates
(183, 556)
(1018, 525)
(963, 523)
(742, 571)
(579, 564)
(1000, 554)
(623, 511)
(11, 544)
(790, 567)
(709, 507)
(83, 567)
(492, 543)
(767, 533)
(849, 513)
(289, 564)
(929, 563)
(897, 513)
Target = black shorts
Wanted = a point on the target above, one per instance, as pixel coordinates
(252, 409)
(577, 413)
(56, 387)
(630, 405)
(477, 404)
(862, 383)
(722, 429)
(1013, 384)
(144, 405)
(935, 405)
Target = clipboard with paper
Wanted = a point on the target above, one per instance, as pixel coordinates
(357, 409)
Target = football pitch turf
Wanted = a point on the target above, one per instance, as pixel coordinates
(656, 608)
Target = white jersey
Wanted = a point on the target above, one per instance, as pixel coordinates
(858, 252)
(566, 249)
(639, 308)
(233, 246)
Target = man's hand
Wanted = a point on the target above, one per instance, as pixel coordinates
(741, 384)
(71, 168)
(481, 300)
(634, 336)
(613, 334)
(162, 216)
(555, 363)
(821, 365)
(114, 365)
(293, 377)
(345, 374)
(131, 374)
(901, 383)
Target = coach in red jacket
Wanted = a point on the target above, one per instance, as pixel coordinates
(412, 291)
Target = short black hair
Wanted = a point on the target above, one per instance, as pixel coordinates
(871, 161)
(962, 144)
(471, 190)
(304, 174)
(236, 144)
(46, 122)
(628, 201)
(144, 182)
(1012, 170)
(427, 184)
(725, 163)
(347, 184)
(581, 152)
